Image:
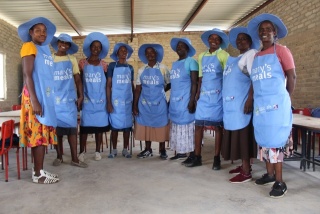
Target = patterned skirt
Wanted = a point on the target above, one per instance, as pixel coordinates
(32, 132)
(182, 137)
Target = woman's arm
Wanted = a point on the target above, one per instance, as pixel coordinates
(291, 80)
(109, 85)
(137, 93)
(27, 69)
(78, 81)
(194, 79)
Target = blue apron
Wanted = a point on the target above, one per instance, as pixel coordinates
(209, 105)
(180, 94)
(272, 118)
(153, 110)
(121, 98)
(235, 90)
(65, 94)
(94, 110)
(43, 84)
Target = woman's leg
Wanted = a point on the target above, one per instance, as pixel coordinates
(198, 135)
(38, 157)
(83, 141)
(58, 147)
(72, 139)
(98, 138)
(114, 138)
(148, 145)
(126, 135)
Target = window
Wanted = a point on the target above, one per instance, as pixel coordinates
(2, 76)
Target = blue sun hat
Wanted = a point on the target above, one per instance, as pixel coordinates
(225, 40)
(142, 52)
(23, 29)
(233, 34)
(65, 38)
(96, 36)
(174, 42)
(116, 49)
(253, 25)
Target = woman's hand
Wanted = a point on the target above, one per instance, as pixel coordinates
(37, 109)
(248, 106)
(191, 106)
(135, 110)
(79, 103)
(109, 108)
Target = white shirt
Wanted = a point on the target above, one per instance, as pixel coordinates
(245, 63)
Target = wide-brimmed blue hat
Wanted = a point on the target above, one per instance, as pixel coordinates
(142, 52)
(23, 29)
(114, 55)
(174, 42)
(96, 36)
(253, 25)
(225, 40)
(65, 38)
(233, 34)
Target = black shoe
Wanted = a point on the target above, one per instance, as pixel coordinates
(179, 156)
(145, 153)
(216, 163)
(163, 155)
(197, 161)
(265, 180)
(279, 189)
(188, 160)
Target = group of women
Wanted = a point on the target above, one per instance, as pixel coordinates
(246, 98)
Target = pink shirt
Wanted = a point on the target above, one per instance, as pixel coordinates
(284, 55)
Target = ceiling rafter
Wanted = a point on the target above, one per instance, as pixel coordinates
(65, 16)
(199, 8)
(132, 18)
(250, 14)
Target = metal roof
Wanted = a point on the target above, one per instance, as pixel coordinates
(80, 17)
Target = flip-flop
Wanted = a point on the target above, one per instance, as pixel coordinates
(80, 164)
(57, 162)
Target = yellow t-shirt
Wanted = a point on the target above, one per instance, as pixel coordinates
(68, 57)
(27, 49)
(222, 56)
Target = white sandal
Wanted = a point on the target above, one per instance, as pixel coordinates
(49, 174)
(47, 180)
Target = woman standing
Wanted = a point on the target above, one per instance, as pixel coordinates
(150, 105)
(273, 78)
(237, 93)
(209, 106)
(120, 96)
(94, 115)
(38, 118)
(66, 77)
(183, 78)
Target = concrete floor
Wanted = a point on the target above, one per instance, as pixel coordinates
(152, 185)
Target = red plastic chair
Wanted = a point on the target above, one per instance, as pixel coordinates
(16, 107)
(7, 133)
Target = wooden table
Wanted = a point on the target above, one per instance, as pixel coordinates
(308, 126)
(10, 115)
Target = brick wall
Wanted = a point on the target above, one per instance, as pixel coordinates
(10, 45)
(302, 18)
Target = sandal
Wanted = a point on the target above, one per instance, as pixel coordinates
(47, 173)
(57, 162)
(80, 164)
(112, 155)
(126, 155)
(47, 180)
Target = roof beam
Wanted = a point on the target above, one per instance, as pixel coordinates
(199, 8)
(251, 13)
(132, 16)
(65, 16)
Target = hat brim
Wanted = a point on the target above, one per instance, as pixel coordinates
(116, 49)
(96, 36)
(233, 34)
(174, 42)
(23, 29)
(253, 25)
(225, 40)
(72, 50)
(142, 52)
